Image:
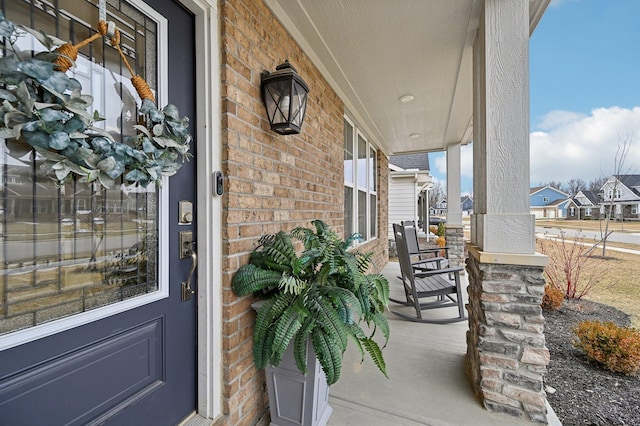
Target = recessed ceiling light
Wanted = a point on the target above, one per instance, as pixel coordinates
(414, 135)
(406, 98)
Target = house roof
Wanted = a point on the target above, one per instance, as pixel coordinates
(629, 180)
(540, 188)
(411, 161)
(592, 196)
(373, 52)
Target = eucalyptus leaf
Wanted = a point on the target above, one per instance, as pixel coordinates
(106, 181)
(171, 111)
(36, 138)
(156, 116)
(148, 147)
(59, 141)
(37, 69)
(135, 176)
(146, 106)
(62, 173)
(9, 133)
(102, 133)
(30, 126)
(5, 94)
(158, 130)
(101, 144)
(43, 105)
(107, 165)
(143, 129)
(50, 114)
(60, 82)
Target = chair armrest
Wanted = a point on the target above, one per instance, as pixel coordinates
(429, 260)
(452, 270)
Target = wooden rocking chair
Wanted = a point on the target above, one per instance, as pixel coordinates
(428, 283)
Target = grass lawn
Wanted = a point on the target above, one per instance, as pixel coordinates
(590, 225)
(619, 286)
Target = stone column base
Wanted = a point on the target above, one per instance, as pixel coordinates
(506, 353)
(454, 235)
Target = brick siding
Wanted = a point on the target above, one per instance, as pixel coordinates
(273, 182)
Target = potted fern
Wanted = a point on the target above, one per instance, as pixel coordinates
(314, 300)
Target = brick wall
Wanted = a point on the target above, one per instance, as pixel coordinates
(273, 182)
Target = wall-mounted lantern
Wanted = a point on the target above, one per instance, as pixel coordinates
(284, 94)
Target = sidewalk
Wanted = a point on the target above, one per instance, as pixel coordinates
(427, 383)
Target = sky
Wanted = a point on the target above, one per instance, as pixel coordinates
(584, 59)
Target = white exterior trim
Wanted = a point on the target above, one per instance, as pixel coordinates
(209, 208)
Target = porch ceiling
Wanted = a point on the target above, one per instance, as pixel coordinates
(373, 52)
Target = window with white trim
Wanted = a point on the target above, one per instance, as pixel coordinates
(360, 184)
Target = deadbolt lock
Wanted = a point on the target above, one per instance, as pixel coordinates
(185, 212)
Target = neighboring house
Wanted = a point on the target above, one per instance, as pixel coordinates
(466, 205)
(440, 208)
(409, 182)
(623, 193)
(547, 202)
(584, 205)
(130, 318)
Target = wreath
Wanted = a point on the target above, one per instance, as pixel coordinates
(44, 109)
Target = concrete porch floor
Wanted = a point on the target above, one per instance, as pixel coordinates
(427, 382)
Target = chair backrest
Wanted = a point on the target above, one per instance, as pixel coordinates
(403, 254)
(411, 236)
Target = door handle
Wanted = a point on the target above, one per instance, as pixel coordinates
(187, 290)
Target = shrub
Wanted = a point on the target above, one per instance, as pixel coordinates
(616, 348)
(552, 299)
(571, 267)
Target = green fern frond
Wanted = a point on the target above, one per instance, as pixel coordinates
(286, 327)
(291, 284)
(280, 251)
(376, 355)
(329, 355)
(381, 285)
(267, 316)
(364, 260)
(250, 279)
(343, 297)
(362, 293)
(329, 321)
(382, 324)
(300, 344)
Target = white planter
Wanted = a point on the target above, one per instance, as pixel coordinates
(296, 399)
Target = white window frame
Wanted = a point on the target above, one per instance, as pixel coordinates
(587, 211)
(371, 150)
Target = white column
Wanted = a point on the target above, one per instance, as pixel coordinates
(454, 210)
(502, 221)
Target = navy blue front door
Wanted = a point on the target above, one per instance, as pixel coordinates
(137, 366)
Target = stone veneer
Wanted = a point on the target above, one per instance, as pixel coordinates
(454, 235)
(506, 353)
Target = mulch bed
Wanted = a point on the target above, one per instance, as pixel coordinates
(585, 393)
